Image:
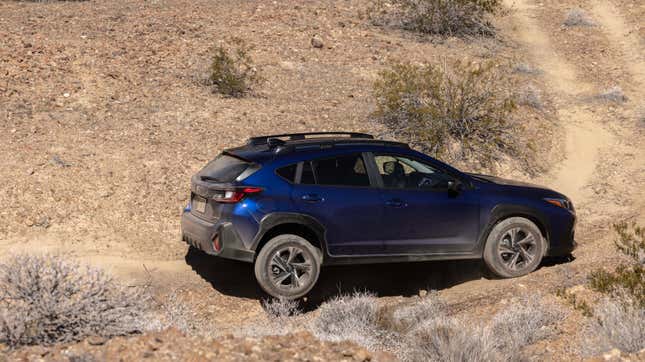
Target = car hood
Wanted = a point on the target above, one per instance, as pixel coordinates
(506, 182)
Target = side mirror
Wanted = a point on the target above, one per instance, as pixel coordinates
(455, 186)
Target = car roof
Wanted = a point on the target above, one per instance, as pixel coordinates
(267, 148)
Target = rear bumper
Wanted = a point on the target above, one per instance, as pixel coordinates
(200, 234)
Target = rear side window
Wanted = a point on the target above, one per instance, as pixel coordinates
(345, 170)
(224, 168)
(288, 172)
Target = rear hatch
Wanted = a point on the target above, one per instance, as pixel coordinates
(216, 186)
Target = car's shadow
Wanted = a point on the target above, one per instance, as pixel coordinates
(396, 279)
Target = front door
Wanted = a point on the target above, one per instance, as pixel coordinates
(421, 214)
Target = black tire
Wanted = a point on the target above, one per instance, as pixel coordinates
(514, 247)
(281, 266)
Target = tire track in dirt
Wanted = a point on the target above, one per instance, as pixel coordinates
(632, 50)
(613, 24)
(585, 135)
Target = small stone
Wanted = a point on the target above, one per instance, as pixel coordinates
(612, 355)
(362, 356)
(56, 160)
(423, 293)
(96, 341)
(30, 171)
(66, 95)
(316, 42)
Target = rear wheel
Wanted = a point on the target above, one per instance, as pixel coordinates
(514, 247)
(288, 266)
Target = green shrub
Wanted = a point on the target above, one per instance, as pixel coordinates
(443, 17)
(232, 71)
(455, 111)
(629, 278)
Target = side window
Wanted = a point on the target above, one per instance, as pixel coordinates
(287, 172)
(307, 177)
(407, 173)
(345, 170)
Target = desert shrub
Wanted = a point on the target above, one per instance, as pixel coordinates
(443, 17)
(522, 322)
(627, 278)
(457, 112)
(620, 323)
(48, 299)
(530, 96)
(572, 299)
(281, 308)
(577, 17)
(525, 68)
(349, 317)
(451, 340)
(232, 71)
(613, 94)
(404, 318)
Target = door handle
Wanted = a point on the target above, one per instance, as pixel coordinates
(311, 198)
(396, 203)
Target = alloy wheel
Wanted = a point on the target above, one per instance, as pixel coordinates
(517, 249)
(290, 268)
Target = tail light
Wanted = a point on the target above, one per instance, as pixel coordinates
(216, 244)
(235, 195)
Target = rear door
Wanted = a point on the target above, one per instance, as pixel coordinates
(421, 215)
(337, 191)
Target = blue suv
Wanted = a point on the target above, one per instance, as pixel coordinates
(293, 203)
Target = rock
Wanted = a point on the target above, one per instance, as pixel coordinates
(30, 171)
(317, 42)
(423, 293)
(362, 355)
(56, 160)
(96, 341)
(43, 222)
(612, 355)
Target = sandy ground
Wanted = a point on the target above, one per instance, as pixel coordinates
(113, 92)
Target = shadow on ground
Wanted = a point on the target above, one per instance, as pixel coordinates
(236, 279)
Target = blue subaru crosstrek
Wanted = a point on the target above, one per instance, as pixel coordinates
(293, 203)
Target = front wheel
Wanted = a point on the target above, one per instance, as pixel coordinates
(288, 266)
(514, 247)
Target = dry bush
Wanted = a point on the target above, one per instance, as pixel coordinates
(627, 278)
(451, 340)
(442, 17)
(281, 308)
(349, 317)
(620, 323)
(530, 96)
(404, 318)
(48, 299)
(457, 112)
(613, 94)
(421, 329)
(525, 68)
(577, 17)
(522, 322)
(232, 71)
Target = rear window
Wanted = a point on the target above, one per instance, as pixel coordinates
(223, 168)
